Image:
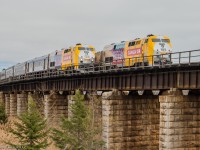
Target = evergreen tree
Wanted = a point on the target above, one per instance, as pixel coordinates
(30, 130)
(76, 131)
(3, 116)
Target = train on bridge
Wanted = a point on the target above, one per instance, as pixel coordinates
(150, 50)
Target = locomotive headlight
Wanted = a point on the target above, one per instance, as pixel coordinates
(92, 59)
(81, 59)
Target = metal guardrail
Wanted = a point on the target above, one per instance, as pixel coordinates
(177, 59)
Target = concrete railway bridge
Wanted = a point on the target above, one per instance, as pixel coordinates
(145, 107)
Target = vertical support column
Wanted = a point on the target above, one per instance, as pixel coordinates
(2, 98)
(22, 103)
(61, 106)
(55, 106)
(130, 122)
(13, 104)
(179, 121)
(7, 104)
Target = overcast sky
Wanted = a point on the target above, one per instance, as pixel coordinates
(32, 28)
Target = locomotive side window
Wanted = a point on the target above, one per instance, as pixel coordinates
(52, 64)
(138, 42)
(132, 44)
(67, 50)
(108, 59)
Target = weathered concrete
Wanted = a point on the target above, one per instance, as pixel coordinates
(130, 122)
(13, 104)
(55, 106)
(179, 121)
(7, 104)
(22, 103)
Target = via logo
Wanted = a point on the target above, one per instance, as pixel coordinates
(86, 53)
(162, 45)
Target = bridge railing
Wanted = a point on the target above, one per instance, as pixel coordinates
(165, 60)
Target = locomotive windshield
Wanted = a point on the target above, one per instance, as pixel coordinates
(161, 40)
(156, 40)
(85, 48)
(165, 40)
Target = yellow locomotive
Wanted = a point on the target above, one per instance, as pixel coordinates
(77, 55)
(150, 50)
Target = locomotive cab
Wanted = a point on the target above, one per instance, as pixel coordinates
(158, 49)
(86, 54)
(77, 56)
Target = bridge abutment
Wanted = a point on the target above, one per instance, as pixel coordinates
(130, 122)
(179, 121)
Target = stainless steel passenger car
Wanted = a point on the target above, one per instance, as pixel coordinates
(20, 69)
(9, 72)
(3, 74)
(41, 63)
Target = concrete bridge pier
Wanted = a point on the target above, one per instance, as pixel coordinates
(22, 103)
(179, 121)
(7, 104)
(13, 104)
(130, 122)
(55, 106)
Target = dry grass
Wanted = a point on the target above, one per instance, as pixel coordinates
(6, 136)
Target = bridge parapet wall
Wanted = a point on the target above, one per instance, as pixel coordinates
(130, 122)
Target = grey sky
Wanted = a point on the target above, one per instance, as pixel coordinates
(32, 28)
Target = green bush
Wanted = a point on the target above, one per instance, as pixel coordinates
(3, 116)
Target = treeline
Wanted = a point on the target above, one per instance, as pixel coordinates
(76, 132)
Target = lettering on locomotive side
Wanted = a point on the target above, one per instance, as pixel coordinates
(67, 57)
(132, 52)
